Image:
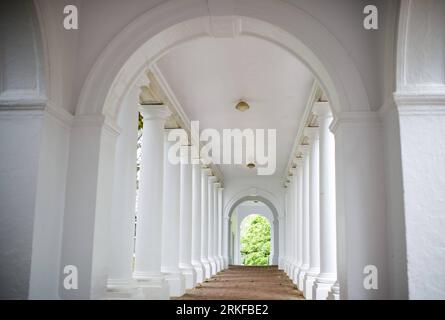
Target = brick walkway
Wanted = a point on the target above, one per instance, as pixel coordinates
(241, 282)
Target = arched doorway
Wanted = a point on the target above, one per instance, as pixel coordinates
(255, 235)
(249, 202)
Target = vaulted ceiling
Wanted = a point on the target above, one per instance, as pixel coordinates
(208, 77)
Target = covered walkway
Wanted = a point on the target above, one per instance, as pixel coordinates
(246, 283)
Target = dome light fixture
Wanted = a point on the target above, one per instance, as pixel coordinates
(242, 106)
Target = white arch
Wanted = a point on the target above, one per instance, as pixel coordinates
(176, 21)
(254, 193)
(264, 196)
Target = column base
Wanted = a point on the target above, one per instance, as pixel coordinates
(153, 287)
(176, 284)
(334, 292)
(120, 289)
(295, 272)
(322, 286)
(291, 270)
(280, 264)
(200, 271)
(226, 262)
(221, 262)
(309, 280)
(213, 269)
(207, 269)
(273, 260)
(218, 264)
(302, 272)
(189, 273)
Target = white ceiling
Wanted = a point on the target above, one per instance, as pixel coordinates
(210, 75)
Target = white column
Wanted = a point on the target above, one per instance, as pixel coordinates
(281, 241)
(294, 223)
(299, 220)
(220, 227)
(314, 212)
(171, 223)
(196, 224)
(305, 219)
(147, 270)
(288, 227)
(210, 212)
(185, 231)
(285, 233)
(215, 226)
(122, 224)
(282, 264)
(292, 235)
(205, 222)
(226, 224)
(328, 252)
(362, 213)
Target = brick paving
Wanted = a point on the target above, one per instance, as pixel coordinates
(246, 283)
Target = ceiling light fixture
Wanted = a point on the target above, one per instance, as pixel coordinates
(251, 165)
(242, 106)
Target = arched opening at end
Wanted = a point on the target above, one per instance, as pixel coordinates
(255, 231)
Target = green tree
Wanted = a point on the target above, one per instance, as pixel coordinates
(255, 241)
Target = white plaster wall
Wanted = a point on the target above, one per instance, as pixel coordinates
(424, 185)
(19, 161)
(421, 104)
(344, 19)
(87, 206)
(395, 209)
(50, 207)
(122, 219)
(21, 70)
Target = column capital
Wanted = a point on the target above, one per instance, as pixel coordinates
(313, 133)
(304, 149)
(212, 179)
(206, 171)
(322, 109)
(150, 112)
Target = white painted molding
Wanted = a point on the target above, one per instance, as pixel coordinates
(356, 118)
(22, 101)
(35, 107)
(178, 110)
(420, 98)
(315, 90)
(96, 121)
(60, 114)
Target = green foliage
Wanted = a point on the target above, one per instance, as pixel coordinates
(140, 122)
(255, 241)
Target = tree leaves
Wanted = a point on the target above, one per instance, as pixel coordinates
(255, 241)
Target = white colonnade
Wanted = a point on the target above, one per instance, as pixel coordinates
(179, 217)
(310, 231)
